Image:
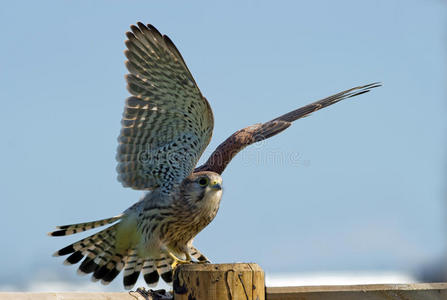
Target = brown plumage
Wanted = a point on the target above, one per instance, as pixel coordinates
(223, 154)
(166, 126)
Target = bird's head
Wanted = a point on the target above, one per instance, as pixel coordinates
(204, 186)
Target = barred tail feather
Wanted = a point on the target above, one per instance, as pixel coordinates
(110, 270)
(82, 245)
(80, 227)
(195, 253)
(153, 269)
(164, 268)
(150, 273)
(98, 254)
(132, 270)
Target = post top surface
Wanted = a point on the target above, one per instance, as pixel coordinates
(246, 267)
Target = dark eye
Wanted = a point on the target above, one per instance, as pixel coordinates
(203, 181)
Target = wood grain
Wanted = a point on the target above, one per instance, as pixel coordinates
(242, 281)
(417, 291)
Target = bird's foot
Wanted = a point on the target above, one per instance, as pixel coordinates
(151, 294)
(178, 261)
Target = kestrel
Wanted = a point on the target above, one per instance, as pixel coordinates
(166, 126)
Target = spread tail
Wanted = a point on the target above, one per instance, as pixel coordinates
(99, 255)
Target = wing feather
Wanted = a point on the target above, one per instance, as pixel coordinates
(223, 154)
(166, 123)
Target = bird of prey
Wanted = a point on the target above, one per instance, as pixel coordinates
(166, 125)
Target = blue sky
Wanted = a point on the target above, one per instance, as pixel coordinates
(357, 186)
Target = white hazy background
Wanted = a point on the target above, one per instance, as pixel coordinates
(352, 194)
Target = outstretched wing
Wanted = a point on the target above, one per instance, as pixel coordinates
(167, 123)
(223, 154)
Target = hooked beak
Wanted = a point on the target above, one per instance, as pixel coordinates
(216, 186)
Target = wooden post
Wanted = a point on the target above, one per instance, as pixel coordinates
(219, 282)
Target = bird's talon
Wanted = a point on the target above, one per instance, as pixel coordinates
(177, 261)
